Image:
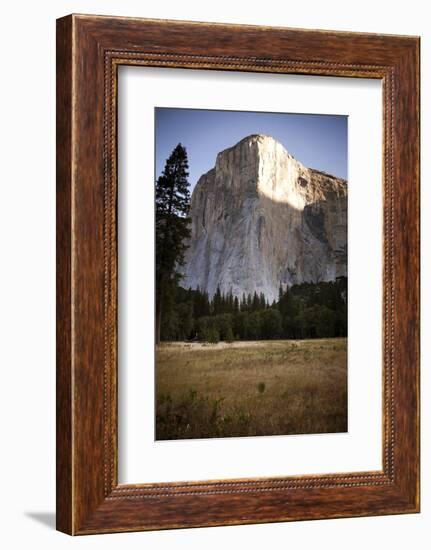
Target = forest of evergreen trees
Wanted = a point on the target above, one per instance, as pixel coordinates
(307, 310)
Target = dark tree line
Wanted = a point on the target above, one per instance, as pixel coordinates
(308, 310)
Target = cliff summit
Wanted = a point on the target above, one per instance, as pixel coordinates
(260, 218)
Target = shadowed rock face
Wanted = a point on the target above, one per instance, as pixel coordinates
(261, 218)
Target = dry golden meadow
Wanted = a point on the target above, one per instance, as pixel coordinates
(251, 388)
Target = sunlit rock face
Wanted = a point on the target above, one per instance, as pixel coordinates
(260, 219)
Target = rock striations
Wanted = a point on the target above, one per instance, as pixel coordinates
(260, 219)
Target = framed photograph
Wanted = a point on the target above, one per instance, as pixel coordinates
(237, 274)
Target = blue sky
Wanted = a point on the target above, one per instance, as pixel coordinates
(318, 141)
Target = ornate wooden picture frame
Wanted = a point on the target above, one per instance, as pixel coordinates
(89, 51)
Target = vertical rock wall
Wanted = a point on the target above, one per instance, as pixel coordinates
(261, 218)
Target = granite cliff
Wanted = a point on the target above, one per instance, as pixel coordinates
(260, 219)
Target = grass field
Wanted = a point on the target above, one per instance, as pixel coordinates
(251, 388)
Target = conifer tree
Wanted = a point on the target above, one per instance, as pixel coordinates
(230, 306)
(172, 229)
(206, 304)
(256, 302)
(217, 301)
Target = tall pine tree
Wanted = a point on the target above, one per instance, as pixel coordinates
(172, 229)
